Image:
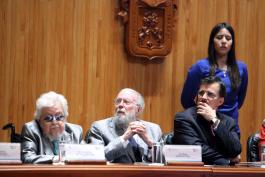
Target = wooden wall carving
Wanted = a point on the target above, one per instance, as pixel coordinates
(148, 26)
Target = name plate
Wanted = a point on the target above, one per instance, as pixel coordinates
(84, 152)
(182, 153)
(9, 151)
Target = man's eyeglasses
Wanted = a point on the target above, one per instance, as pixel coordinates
(50, 118)
(209, 94)
(125, 101)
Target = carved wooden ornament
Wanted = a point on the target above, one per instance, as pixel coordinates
(148, 26)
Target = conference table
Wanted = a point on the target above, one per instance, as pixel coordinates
(119, 170)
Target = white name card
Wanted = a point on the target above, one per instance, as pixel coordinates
(182, 153)
(9, 151)
(84, 152)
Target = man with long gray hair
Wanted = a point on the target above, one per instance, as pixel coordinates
(41, 136)
(126, 138)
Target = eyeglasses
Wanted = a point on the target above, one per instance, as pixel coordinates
(125, 101)
(50, 118)
(209, 94)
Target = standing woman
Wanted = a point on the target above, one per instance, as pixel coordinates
(221, 62)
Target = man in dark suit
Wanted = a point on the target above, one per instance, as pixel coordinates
(126, 138)
(203, 125)
(41, 136)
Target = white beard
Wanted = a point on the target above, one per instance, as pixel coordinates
(122, 123)
(55, 137)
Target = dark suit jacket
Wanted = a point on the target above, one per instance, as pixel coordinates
(103, 132)
(192, 129)
(37, 148)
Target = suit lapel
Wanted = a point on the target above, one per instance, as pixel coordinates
(47, 146)
(112, 127)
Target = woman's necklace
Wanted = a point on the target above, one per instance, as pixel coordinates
(224, 70)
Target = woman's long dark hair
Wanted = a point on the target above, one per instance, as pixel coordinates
(232, 67)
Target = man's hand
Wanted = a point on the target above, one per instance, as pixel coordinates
(139, 128)
(237, 159)
(206, 111)
(128, 133)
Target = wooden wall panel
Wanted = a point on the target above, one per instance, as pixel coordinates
(76, 47)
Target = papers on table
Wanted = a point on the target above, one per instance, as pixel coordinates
(182, 153)
(252, 164)
(84, 152)
(10, 153)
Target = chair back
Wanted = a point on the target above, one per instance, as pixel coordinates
(253, 148)
(14, 137)
(168, 138)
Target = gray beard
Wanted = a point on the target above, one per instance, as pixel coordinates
(51, 138)
(122, 123)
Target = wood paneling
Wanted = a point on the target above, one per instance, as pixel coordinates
(76, 47)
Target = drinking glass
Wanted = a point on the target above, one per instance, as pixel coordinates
(157, 152)
(64, 139)
(262, 150)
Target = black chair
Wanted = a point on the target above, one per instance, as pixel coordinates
(253, 148)
(14, 137)
(168, 138)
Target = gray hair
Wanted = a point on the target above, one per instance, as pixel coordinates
(139, 100)
(50, 99)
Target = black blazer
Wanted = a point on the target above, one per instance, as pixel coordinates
(218, 146)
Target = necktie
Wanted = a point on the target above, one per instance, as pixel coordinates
(55, 144)
(135, 148)
(212, 130)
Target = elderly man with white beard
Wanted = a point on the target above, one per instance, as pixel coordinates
(126, 138)
(41, 136)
